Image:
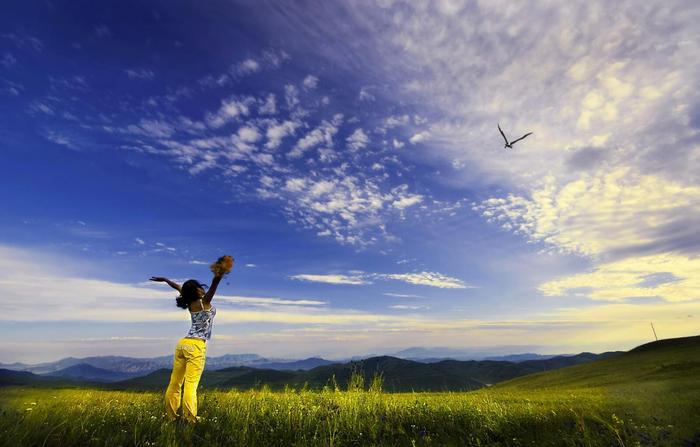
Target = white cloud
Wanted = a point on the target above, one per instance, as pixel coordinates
(265, 302)
(602, 212)
(327, 155)
(231, 109)
(39, 106)
(358, 140)
(268, 181)
(11, 88)
(248, 66)
(267, 60)
(236, 169)
(190, 126)
(291, 96)
(8, 60)
(323, 134)
(431, 279)
(419, 137)
(321, 187)
(163, 247)
(274, 59)
(208, 162)
(406, 201)
(151, 128)
(276, 132)
(396, 121)
(402, 295)
(310, 82)
(295, 184)
(268, 106)
(24, 41)
(61, 139)
(365, 95)
(102, 31)
(209, 143)
(331, 279)
(671, 277)
(140, 73)
(350, 209)
(248, 134)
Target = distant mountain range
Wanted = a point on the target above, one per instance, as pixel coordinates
(86, 372)
(126, 367)
(118, 368)
(398, 374)
(114, 368)
(423, 354)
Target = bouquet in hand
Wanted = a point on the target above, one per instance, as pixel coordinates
(222, 266)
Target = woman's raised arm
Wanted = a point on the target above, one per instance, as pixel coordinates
(221, 267)
(172, 284)
(212, 289)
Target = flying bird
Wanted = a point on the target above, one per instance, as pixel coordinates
(510, 145)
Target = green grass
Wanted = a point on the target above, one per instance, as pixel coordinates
(265, 418)
(650, 397)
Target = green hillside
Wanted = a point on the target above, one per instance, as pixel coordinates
(25, 378)
(673, 364)
(653, 390)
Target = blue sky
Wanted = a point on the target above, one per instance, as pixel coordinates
(348, 157)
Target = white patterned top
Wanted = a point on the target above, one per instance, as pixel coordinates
(202, 322)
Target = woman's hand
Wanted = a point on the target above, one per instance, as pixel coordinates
(220, 274)
(158, 279)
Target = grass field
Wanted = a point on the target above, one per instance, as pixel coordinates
(648, 397)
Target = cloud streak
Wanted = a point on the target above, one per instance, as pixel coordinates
(331, 279)
(431, 279)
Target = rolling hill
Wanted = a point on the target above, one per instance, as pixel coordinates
(25, 378)
(398, 374)
(673, 362)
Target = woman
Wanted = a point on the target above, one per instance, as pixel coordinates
(190, 352)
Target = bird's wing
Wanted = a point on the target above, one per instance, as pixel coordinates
(504, 135)
(515, 141)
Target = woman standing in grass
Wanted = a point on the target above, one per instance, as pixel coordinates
(190, 352)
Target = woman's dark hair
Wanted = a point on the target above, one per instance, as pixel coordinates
(188, 293)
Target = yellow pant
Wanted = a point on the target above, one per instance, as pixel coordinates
(188, 365)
